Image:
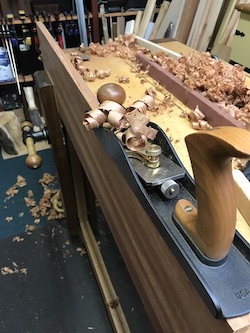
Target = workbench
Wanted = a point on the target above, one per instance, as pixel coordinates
(170, 299)
(170, 119)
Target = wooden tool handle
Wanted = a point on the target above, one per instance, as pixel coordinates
(33, 160)
(212, 226)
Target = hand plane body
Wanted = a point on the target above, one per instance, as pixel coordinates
(224, 283)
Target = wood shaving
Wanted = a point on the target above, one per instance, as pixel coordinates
(197, 119)
(30, 228)
(46, 179)
(50, 205)
(123, 79)
(6, 270)
(81, 250)
(37, 221)
(14, 189)
(17, 239)
(102, 74)
(24, 271)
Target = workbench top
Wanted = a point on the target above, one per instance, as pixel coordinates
(169, 116)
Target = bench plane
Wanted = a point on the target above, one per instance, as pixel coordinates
(198, 221)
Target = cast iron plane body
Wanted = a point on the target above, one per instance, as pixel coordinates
(224, 285)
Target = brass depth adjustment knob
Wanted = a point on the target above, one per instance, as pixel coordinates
(211, 225)
(33, 160)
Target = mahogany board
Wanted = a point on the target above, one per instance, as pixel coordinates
(171, 301)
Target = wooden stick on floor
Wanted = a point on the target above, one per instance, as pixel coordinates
(110, 297)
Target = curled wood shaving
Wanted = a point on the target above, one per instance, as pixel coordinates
(123, 79)
(102, 73)
(129, 124)
(197, 119)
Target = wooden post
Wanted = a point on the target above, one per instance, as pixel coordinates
(49, 105)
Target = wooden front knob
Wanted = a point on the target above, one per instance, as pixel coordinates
(111, 92)
(212, 225)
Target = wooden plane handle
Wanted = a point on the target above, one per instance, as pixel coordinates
(212, 225)
(33, 160)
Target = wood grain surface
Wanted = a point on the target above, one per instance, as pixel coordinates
(168, 295)
(186, 21)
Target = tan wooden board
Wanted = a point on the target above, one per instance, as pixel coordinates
(162, 13)
(146, 17)
(226, 18)
(186, 21)
(137, 21)
(197, 25)
(209, 24)
(173, 16)
(168, 295)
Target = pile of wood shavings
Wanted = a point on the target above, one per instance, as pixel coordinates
(218, 81)
(13, 270)
(14, 189)
(122, 47)
(46, 206)
(50, 203)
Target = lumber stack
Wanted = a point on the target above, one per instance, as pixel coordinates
(200, 24)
